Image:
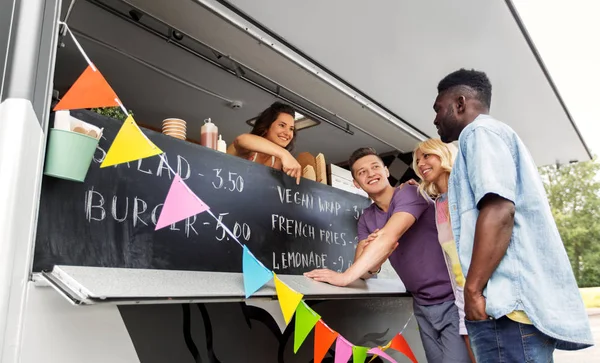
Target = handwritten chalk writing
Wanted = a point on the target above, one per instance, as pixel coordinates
(332, 237)
(136, 210)
(219, 185)
(299, 260)
(357, 212)
(125, 163)
(190, 226)
(114, 209)
(286, 196)
(100, 159)
(340, 263)
(239, 230)
(96, 210)
(292, 227)
(183, 167)
(235, 182)
(89, 205)
(155, 213)
(181, 162)
(329, 207)
(139, 167)
(162, 165)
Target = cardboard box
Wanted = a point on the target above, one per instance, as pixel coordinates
(342, 179)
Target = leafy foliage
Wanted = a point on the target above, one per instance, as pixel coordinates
(112, 112)
(573, 193)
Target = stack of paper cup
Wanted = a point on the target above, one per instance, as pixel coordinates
(174, 127)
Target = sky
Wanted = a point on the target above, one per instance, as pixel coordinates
(567, 36)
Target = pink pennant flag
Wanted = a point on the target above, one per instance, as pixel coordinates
(343, 350)
(181, 203)
(381, 353)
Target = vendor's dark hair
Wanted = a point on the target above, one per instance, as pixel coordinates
(359, 154)
(268, 116)
(475, 80)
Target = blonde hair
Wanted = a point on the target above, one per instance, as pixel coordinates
(446, 153)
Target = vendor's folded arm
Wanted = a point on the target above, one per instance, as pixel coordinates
(246, 144)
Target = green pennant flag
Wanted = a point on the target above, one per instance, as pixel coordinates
(306, 318)
(359, 354)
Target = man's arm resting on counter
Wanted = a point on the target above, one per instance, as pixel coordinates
(493, 232)
(379, 249)
(372, 255)
(359, 250)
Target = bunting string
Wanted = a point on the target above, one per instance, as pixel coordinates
(131, 144)
(219, 222)
(89, 62)
(79, 47)
(408, 321)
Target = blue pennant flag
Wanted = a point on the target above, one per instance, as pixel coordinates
(255, 274)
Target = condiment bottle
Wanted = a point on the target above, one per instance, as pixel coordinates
(221, 145)
(208, 134)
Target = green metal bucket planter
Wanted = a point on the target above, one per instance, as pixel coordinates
(69, 155)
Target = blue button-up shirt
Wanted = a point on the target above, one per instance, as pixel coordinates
(535, 274)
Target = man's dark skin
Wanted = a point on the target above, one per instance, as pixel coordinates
(456, 108)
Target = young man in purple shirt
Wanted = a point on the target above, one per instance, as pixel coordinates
(400, 224)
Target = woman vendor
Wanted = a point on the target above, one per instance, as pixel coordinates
(271, 140)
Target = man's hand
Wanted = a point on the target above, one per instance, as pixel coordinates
(328, 276)
(475, 306)
(365, 242)
(410, 182)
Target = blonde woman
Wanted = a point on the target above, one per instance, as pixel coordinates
(432, 162)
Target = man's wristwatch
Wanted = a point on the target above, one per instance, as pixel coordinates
(376, 272)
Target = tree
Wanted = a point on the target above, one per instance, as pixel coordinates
(573, 193)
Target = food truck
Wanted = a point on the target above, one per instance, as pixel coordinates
(87, 276)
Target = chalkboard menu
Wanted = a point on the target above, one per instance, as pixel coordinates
(109, 220)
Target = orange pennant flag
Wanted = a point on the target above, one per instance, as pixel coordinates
(324, 337)
(400, 344)
(89, 90)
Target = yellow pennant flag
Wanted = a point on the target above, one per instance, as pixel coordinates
(375, 355)
(130, 144)
(383, 349)
(288, 299)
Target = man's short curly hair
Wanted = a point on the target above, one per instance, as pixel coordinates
(474, 80)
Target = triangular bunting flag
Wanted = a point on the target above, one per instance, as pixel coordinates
(359, 354)
(343, 350)
(373, 357)
(89, 90)
(306, 318)
(400, 344)
(255, 273)
(130, 144)
(180, 204)
(288, 299)
(381, 353)
(324, 337)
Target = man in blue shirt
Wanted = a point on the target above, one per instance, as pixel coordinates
(521, 298)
